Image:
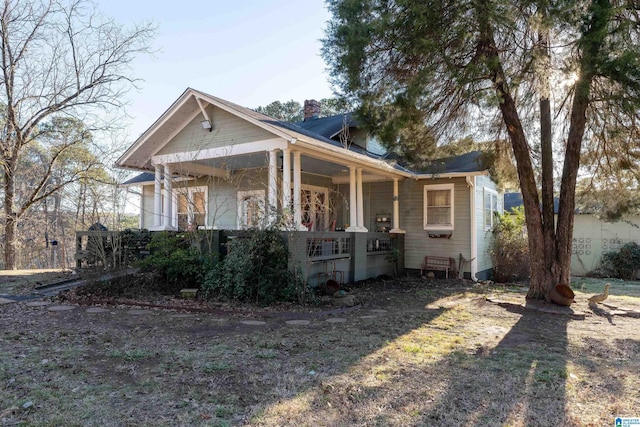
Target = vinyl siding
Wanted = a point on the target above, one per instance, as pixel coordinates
(418, 244)
(221, 202)
(227, 130)
(147, 206)
(315, 180)
(380, 203)
(484, 237)
(222, 197)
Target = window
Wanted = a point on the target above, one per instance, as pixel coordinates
(251, 208)
(191, 208)
(490, 208)
(438, 207)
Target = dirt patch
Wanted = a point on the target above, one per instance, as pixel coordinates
(23, 282)
(414, 352)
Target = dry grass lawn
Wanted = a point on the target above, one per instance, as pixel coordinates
(415, 353)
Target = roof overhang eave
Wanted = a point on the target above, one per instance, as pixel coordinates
(132, 168)
(450, 175)
(135, 184)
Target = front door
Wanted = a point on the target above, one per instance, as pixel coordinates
(191, 207)
(315, 208)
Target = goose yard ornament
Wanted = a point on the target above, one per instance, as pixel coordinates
(599, 298)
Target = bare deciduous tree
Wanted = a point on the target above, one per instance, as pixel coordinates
(58, 59)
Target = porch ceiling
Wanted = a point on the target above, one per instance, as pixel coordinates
(260, 160)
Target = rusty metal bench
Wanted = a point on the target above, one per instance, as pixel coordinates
(439, 263)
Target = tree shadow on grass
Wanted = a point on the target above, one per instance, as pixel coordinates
(520, 381)
(424, 374)
(412, 364)
(425, 371)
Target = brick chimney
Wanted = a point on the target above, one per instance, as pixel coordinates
(311, 109)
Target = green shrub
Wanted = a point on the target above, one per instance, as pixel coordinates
(623, 263)
(256, 270)
(510, 247)
(178, 261)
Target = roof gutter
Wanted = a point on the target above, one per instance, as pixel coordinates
(451, 175)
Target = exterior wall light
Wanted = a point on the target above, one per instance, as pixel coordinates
(206, 124)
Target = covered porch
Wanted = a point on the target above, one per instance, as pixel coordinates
(205, 149)
(300, 192)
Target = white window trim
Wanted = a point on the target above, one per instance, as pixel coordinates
(190, 191)
(437, 187)
(485, 191)
(261, 194)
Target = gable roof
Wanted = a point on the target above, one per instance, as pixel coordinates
(143, 178)
(463, 163)
(315, 134)
(329, 126)
(514, 200)
(187, 106)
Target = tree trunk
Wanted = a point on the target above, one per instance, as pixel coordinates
(550, 257)
(591, 43)
(11, 220)
(55, 263)
(539, 283)
(550, 269)
(540, 274)
(567, 203)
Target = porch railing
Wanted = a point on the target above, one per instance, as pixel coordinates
(319, 248)
(357, 256)
(110, 249)
(379, 243)
(344, 255)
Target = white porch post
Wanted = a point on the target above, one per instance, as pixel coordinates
(297, 188)
(168, 217)
(396, 209)
(353, 208)
(286, 181)
(360, 200)
(157, 198)
(273, 187)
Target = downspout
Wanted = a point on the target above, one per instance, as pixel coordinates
(474, 228)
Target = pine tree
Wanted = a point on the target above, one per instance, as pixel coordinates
(561, 80)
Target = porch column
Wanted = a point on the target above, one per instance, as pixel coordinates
(157, 198)
(396, 209)
(353, 208)
(360, 201)
(273, 187)
(286, 181)
(297, 188)
(167, 198)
